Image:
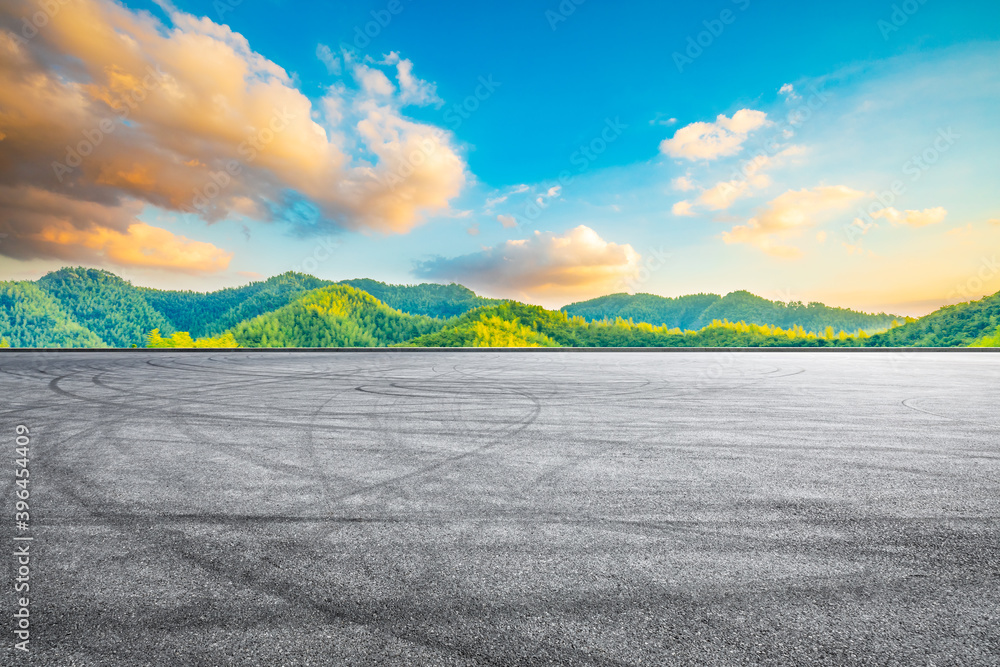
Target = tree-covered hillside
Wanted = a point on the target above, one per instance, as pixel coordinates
(528, 326)
(202, 314)
(699, 310)
(30, 317)
(98, 300)
(681, 312)
(78, 307)
(951, 326)
(429, 299)
(334, 316)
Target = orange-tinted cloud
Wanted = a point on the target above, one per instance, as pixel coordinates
(928, 216)
(543, 267)
(107, 106)
(788, 214)
(54, 226)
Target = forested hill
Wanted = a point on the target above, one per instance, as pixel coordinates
(952, 326)
(426, 299)
(110, 307)
(206, 314)
(78, 307)
(30, 317)
(699, 310)
(519, 325)
(334, 316)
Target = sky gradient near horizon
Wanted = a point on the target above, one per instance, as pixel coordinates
(543, 151)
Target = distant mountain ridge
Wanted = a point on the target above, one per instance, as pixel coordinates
(696, 311)
(80, 307)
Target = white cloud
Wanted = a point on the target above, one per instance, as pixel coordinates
(412, 90)
(508, 221)
(327, 57)
(928, 216)
(788, 90)
(707, 141)
(788, 214)
(541, 267)
(682, 208)
(722, 195)
(548, 194)
(373, 81)
(682, 183)
(745, 180)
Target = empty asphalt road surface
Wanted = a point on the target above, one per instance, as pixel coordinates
(485, 508)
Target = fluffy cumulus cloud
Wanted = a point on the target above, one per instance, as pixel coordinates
(928, 216)
(682, 183)
(787, 215)
(746, 180)
(682, 208)
(545, 268)
(707, 141)
(104, 111)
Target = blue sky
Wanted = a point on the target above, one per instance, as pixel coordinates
(662, 147)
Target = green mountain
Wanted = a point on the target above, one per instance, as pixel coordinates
(699, 310)
(952, 326)
(79, 307)
(202, 314)
(514, 324)
(30, 317)
(205, 314)
(429, 299)
(98, 300)
(683, 312)
(334, 316)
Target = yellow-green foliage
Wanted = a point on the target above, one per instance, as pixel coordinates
(334, 316)
(183, 339)
(4, 342)
(989, 340)
(492, 331)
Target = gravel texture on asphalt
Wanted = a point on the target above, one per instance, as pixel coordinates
(434, 508)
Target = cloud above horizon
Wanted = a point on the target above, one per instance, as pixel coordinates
(707, 141)
(106, 110)
(928, 216)
(787, 215)
(542, 267)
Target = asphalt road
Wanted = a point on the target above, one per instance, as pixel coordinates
(506, 508)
